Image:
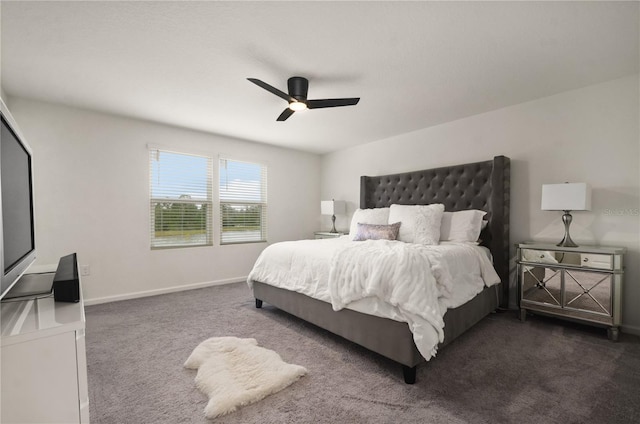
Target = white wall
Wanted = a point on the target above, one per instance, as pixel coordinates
(92, 183)
(586, 135)
(92, 197)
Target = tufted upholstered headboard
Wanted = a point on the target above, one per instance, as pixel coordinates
(479, 185)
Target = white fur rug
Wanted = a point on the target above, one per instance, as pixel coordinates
(234, 372)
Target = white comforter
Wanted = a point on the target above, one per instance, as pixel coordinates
(403, 281)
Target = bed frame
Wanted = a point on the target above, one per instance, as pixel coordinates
(479, 185)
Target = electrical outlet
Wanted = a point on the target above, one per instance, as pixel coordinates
(85, 270)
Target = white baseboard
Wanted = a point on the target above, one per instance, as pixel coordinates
(146, 293)
(630, 329)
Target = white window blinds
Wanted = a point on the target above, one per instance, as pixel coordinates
(180, 199)
(243, 202)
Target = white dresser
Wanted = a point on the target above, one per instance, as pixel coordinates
(44, 364)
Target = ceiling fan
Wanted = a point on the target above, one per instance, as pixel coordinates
(297, 97)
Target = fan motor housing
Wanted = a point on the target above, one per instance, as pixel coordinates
(298, 88)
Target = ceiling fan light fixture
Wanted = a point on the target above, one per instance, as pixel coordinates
(297, 106)
(297, 97)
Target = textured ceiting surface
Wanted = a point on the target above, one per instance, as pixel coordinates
(184, 63)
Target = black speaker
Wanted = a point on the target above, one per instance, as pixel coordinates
(66, 283)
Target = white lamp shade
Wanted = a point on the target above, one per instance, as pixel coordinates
(332, 207)
(566, 197)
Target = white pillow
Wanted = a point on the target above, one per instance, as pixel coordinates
(461, 225)
(376, 216)
(420, 223)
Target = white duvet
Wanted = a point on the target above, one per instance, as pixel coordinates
(406, 282)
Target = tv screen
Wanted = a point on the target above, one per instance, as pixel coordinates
(18, 235)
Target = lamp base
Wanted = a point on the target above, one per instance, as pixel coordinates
(566, 241)
(333, 220)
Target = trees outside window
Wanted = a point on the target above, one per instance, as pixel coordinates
(243, 202)
(180, 199)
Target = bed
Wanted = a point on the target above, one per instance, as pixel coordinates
(481, 186)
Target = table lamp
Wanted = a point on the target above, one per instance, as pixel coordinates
(332, 207)
(566, 197)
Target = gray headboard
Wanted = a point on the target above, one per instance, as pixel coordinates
(479, 185)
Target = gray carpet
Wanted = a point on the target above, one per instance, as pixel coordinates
(500, 371)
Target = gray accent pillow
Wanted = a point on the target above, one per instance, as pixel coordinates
(377, 232)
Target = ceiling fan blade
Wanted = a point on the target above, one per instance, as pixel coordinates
(285, 114)
(317, 104)
(271, 89)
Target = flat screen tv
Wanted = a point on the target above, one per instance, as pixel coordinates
(17, 229)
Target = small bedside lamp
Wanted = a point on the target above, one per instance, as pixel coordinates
(566, 197)
(332, 207)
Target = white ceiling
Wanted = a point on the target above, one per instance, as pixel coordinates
(414, 64)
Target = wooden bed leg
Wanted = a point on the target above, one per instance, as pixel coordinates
(409, 374)
(258, 303)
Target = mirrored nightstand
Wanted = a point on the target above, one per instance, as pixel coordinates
(578, 283)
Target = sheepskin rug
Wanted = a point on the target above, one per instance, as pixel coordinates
(234, 372)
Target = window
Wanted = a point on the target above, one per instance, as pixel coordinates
(180, 199)
(243, 202)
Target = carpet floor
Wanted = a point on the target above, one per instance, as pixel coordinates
(501, 371)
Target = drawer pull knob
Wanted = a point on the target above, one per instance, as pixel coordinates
(585, 260)
(541, 256)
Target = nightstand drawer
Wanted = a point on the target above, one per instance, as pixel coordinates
(326, 234)
(538, 256)
(592, 260)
